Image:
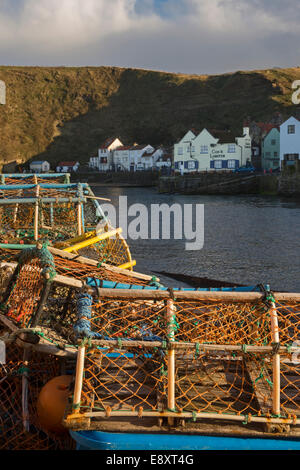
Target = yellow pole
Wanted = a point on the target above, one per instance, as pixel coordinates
(128, 265)
(92, 241)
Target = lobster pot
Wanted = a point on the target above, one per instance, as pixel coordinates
(188, 357)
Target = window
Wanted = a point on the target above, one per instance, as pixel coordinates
(191, 165)
(204, 149)
(273, 142)
(231, 148)
(218, 164)
(275, 154)
(268, 154)
(180, 151)
(291, 129)
(231, 164)
(291, 157)
(193, 148)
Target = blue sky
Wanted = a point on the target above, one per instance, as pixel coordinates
(188, 36)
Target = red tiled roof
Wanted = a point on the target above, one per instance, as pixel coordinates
(123, 147)
(67, 163)
(131, 147)
(266, 126)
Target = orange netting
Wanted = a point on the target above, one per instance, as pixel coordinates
(25, 295)
(9, 180)
(19, 428)
(223, 358)
(124, 380)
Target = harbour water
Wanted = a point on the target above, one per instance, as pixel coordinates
(247, 239)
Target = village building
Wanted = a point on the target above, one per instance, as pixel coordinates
(67, 167)
(104, 160)
(270, 150)
(290, 141)
(205, 152)
(129, 158)
(114, 156)
(39, 166)
(148, 160)
(164, 161)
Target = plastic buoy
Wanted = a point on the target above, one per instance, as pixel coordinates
(51, 404)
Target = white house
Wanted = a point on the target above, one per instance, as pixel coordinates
(204, 152)
(113, 155)
(67, 167)
(133, 158)
(290, 141)
(104, 160)
(148, 160)
(39, 166)
(164, 161)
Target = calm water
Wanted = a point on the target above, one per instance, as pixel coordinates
(248, 239)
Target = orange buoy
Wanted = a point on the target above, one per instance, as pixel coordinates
(51, 403)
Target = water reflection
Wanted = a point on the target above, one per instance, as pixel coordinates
(248, 239)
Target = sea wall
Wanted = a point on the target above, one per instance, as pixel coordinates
(124, 178)
(210, 183)
(286, 183)
(289, 181)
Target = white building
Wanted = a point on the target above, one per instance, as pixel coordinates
(113, 155)
(204, 152)
(129, 158)
(67, 167)
(164, 161)
(39, 166)
(290, 141)
(148, 160)
(104, 160)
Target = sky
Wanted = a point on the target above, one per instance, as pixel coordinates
(186, 36)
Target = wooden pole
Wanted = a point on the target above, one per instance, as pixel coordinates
(98, 198)
(32, 200)
(36, 215)
(171, 359)
(91, 262)
(79, 219)
(25, 410)
(276, 361)
(78, 379)
(191, 415)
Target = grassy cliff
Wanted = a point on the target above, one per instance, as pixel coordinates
(63, 113)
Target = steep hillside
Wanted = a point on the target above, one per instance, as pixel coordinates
(65, 113)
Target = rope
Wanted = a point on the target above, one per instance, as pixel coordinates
(43, 254)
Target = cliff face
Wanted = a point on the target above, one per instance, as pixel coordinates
(66, 113)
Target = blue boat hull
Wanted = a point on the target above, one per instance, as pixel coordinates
(98, 440)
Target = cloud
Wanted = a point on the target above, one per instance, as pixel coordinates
(198, 36)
